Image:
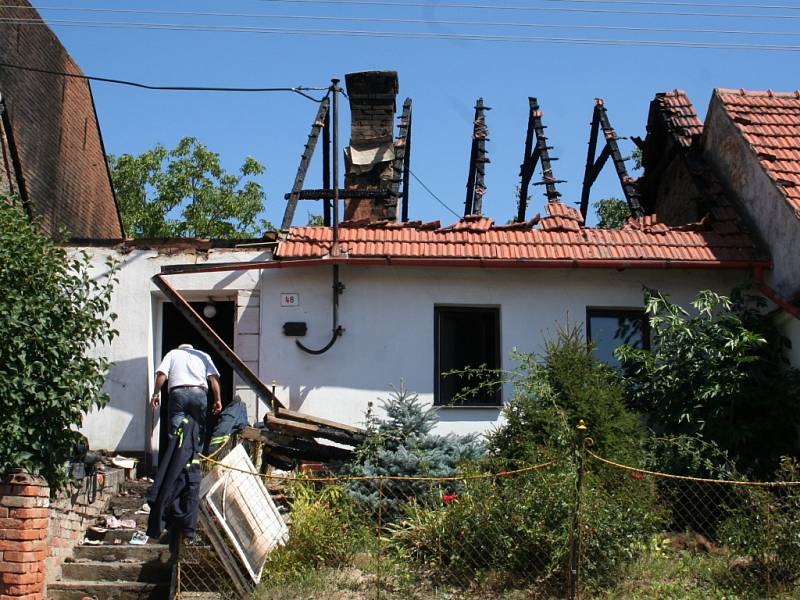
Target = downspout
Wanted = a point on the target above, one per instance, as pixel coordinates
(770, 293)
(338, 286)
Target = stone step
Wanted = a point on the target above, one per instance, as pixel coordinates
(133, 487)
(126, 503)
(93, 570)
(118, 552)
(107, 590)
(111, 536)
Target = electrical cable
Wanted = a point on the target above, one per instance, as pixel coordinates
(519, 8)
(435, 197)
(405, 21)
(179, 88)
(403, 34)
(692, 4)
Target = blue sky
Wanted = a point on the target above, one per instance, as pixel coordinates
(444, 77)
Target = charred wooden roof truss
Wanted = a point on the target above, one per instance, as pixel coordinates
(476, 178)
(610, 150)
(536, 154)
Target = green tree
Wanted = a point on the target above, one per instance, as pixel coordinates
(718, 373)
(185, 192)
(54, 313)
(612, 213)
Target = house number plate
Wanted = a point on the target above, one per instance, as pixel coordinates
(290, 299)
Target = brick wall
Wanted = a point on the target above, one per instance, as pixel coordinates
(70, 515)
(24, 502)
(55, 132)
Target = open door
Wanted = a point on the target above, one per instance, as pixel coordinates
(176, 330)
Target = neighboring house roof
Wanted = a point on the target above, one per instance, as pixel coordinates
(559, 237)
(770, 123)
(54, 130)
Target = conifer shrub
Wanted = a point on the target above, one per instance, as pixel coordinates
(402, 444)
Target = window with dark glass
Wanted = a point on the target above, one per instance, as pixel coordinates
(608, 328)
(466, 337)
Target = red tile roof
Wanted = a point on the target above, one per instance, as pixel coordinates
(559, 238)
(680, 116)
(770, 122)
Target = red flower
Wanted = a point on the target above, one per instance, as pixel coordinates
(636, 475)
(448, 498)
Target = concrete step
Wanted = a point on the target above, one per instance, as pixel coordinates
(111, 536)
(107, 590)
(94, 570)
(135, 487)
(147, 553)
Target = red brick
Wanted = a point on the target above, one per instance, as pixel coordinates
(34, 596)
(21, 578)
(18, 501)
(22, 545)
(21, 590)
(13, 523)
(30, 490)
(5, 489)
(11, 556)
(16, 567)
(4, 512)
(28, 513)
(23, 534)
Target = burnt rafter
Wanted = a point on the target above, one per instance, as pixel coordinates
(476, 179)
(610, 150)
(538, 153)
(320, 122)
(402, 161)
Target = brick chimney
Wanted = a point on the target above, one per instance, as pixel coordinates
(370, 156)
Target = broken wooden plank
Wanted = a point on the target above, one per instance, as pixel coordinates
(307, 430)
(285, 413)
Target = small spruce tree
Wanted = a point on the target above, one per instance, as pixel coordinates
(402, 444)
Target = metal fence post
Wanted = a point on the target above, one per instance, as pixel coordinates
(575, 534)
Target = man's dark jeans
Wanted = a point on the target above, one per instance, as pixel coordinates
(189, 402)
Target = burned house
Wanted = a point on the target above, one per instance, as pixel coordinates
(335, 315)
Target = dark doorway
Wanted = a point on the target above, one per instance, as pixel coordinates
(176, 330)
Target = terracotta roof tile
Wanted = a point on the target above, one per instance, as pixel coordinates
(770, 123)
(558, 238)
(680, 116)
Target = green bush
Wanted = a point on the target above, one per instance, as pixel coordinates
(764, 527)
(517, 529)
(324, 531)
(552, 392)
(53, 314)
(720, 374)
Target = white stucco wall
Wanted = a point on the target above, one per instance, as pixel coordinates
(127, 423)
(388, 315)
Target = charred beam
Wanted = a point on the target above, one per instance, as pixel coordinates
(628, 184)
(476, 178)
(588, 179)
(327, 194)
(305, 161)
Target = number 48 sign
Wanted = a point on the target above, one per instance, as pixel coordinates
(290, 299)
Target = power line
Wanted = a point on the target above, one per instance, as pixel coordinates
(174, 88)
(692, 4)
(515, 24)
(406, 35)
(519, 8)
(435, 197)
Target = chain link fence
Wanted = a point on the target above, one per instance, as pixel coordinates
(580, 526)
